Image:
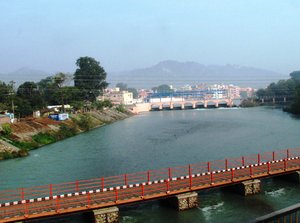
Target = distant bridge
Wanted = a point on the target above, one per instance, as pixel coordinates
(88, 195)
(191, 103)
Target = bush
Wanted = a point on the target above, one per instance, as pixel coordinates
(6, 129)
(25, 145)
(85, 122)
(66, 132)
(44, 138)
(121, 108)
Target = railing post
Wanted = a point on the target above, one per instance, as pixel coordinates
(77, 186)
(273, 156)
(143, 190)
(251, 172)
(88, 199)
(50, 190)
(208, 166)
(232, 174)
(148, 176)
(285, 164)
(190, 176)
(26, 208)
(57, 205)
(211, 178)
(269, 167)
(125, 179)
(22, 194)
(258, 158)
(167, 186)
(243, 161)
(169, 171)
(116, 195)
(102, 183)
(226, 164)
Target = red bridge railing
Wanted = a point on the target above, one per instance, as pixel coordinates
(54, 197)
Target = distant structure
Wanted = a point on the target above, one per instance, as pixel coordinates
(117, 97)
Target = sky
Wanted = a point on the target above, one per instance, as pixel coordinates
(50, 35)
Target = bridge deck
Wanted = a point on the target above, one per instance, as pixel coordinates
(55, 199)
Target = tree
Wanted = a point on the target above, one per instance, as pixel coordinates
(90, 78)
(134, 92)
(164, 88)
(296, 76)
(122, 86)
(29, 98)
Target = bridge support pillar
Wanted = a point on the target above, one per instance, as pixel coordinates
(107, 215)
(183, 202)
(246, 188)
(250, 187)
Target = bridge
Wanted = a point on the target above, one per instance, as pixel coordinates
(183, 103)
(178, 184)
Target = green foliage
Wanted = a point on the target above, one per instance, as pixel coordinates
(99, 105)
(84, 122)
(66, 131)
(281, 88)
(296, 76)
(6, 155)
(134, 92)
(25, 145)
(44, 138)
(6, 129)
(122, 86)
(90, 78)
(121, 108)
(164, 88)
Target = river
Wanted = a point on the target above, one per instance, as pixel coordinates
(165, 139)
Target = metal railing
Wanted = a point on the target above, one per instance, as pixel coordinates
(126, 188)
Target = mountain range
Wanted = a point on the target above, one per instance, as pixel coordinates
(23, 74)
(171, 72)
(181, 73)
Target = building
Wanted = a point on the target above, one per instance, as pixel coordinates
(118, 97)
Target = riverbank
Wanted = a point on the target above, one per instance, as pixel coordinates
(34, 133)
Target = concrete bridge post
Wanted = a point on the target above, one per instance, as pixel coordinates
(194, 105)
(160, 107)
(249, 187)
(107, 215)
(273, 100)
(217, 104)
(182, 106)
(284, 99)
(262, 100)
(205, 104)
(183, 202)
(171, 106)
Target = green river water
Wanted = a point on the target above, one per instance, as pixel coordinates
(165, 139)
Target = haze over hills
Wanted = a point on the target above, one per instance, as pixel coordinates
(171, 72)
(182, 73)
(24, 74)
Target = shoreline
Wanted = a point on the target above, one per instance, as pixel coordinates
(24, 137)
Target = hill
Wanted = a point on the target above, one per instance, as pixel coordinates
(182, 73)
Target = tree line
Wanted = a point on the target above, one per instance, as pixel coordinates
(285, 88)
(89, 82)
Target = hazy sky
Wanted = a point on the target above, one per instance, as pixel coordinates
(124, 34)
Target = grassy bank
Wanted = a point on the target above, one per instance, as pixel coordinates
(33, 134)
